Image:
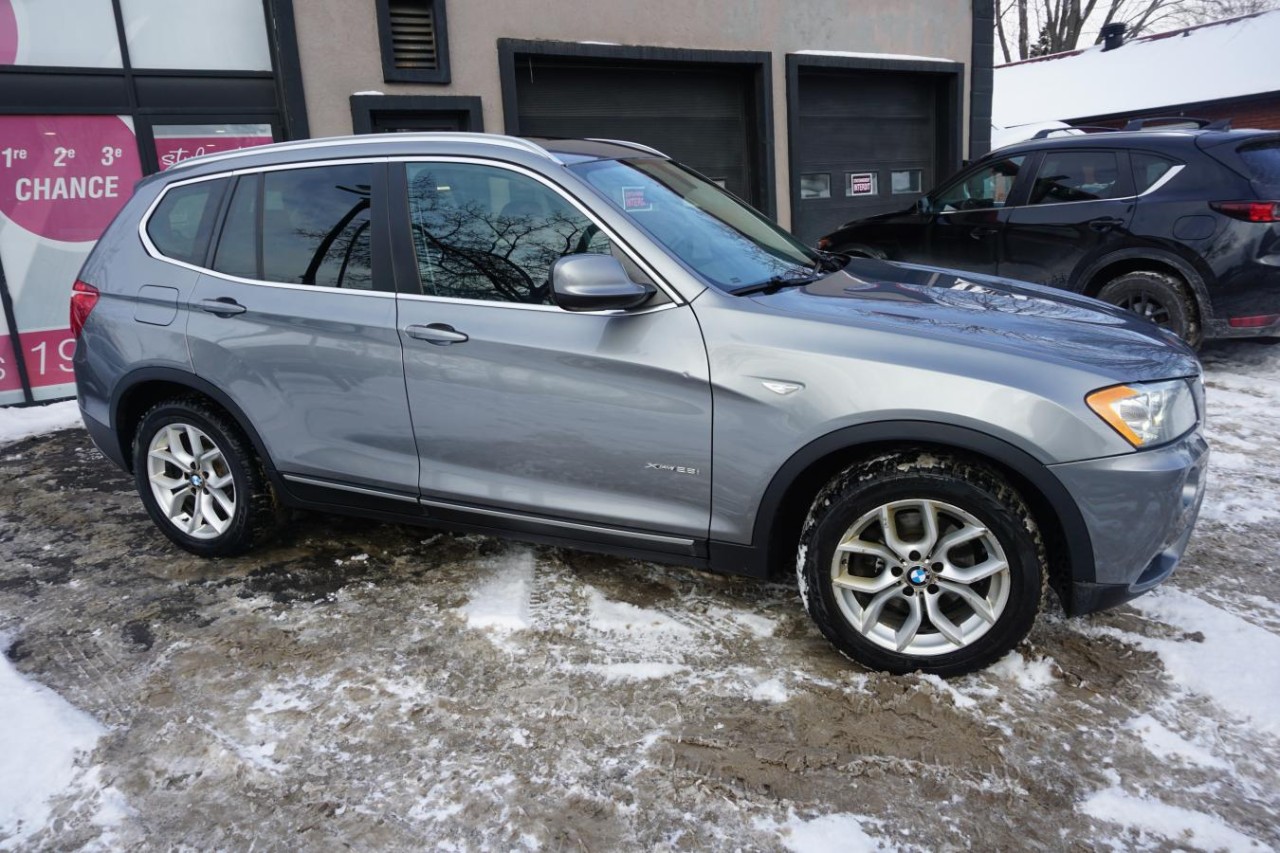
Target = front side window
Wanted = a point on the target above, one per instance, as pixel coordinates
(1067, 176)
(982, 188)
(723, 240)
(491, 234)
(301, 226)
(182, 223)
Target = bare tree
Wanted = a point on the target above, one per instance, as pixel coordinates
(1039, 27)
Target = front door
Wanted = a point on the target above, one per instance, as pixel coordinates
(969, 216)
(519, 406)
(1079, 208)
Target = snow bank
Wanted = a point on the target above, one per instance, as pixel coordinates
(17, 424)
(1199, 64)
(41, 737)
(1182, 826)
(1237, 665)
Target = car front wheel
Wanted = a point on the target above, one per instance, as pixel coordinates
(920, 561)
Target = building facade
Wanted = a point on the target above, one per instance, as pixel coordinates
(815, 111)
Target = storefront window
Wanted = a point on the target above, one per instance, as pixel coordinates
(62, 180)
(178, 142)
(230, 35)
(78, 33)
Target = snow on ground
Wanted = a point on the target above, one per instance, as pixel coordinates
(19, 423)
(381, 686)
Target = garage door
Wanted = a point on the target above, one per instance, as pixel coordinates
(703, 117)
(868, 143)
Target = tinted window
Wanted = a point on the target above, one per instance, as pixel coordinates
(1148, 168)
(481, 232)
(1263, 162)
(1077, 176)
(315, 226)
(183, 221)
(986, 187)
(238, 246)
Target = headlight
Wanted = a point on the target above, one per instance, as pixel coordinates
(1146, 413)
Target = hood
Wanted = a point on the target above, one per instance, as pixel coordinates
(1000, 315)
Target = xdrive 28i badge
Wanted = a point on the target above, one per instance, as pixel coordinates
(677, 469)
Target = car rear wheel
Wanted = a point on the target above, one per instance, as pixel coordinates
(918, 561)
(1157, 296)
(200, 480)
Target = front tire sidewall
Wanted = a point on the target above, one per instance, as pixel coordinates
(828, 524)
(237, 538)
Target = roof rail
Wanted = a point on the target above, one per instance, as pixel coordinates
(1203, 123)
(368, 138)
(1045, 133)
(625, 144)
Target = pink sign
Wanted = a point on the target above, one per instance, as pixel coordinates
(46, 354)
(172, 150)
(8, 33)
(65, 177)
(9, 378)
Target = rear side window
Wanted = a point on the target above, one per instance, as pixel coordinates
(301, 226)
(182, 223)
(1067, 176)
(1263, 162)
(1149, 168)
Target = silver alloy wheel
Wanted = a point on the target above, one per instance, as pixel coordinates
(920, 577)
(191, 481)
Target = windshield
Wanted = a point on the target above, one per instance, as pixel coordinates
(720, 238)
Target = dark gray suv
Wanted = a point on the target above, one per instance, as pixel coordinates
(584, 343)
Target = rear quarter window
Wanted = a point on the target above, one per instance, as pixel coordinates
(182, 223)
(1149, 168)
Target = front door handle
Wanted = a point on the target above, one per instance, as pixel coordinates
(982, 233)
(440, 334)
(1105, 223)
(223, 306)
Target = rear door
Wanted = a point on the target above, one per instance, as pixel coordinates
(969, 215)
(527, 412)
(1079, 208)
(296, 322)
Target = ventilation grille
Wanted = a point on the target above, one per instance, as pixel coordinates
(413, 34)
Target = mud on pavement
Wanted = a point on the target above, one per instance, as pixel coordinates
(380, 686)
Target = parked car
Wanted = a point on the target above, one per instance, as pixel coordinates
(1179, 225)
(585, 343)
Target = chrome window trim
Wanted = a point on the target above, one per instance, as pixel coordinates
(553, 522)
(582, 208)
(512, 142)
(359, 490)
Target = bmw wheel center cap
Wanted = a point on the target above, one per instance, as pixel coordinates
(918, 575)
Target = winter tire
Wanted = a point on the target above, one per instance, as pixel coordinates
(200, 480)
(1160, 298)
(919, 561)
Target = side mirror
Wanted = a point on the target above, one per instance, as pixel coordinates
(595, 283)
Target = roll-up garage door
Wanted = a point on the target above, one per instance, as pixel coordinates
(868, 143)
(703, 117)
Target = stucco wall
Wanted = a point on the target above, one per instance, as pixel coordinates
(338, 43)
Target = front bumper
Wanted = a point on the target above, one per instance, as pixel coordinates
(1140, 509)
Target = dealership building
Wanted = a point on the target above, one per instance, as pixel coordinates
(814, 111)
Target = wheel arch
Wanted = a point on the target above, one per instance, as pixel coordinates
(790, 493)
(1096, 275)
(141, 389)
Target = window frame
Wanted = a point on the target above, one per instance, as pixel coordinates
(409, 273)
(390, 72)
(219, 199)
(383, 280)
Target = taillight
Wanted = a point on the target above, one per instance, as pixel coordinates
(83, 298)
(1249, 211)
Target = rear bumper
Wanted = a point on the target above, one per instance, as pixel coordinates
(104, 438)
(1141, 510)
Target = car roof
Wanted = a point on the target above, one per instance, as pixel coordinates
(532, 151)
(1173, 139)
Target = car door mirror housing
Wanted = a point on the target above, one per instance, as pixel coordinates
(595, 283)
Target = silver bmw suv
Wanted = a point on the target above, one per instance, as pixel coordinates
(586, 343)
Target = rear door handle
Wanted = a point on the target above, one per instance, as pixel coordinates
(223, 306)
(1105, 223)
(981, 233)
(440, 334)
